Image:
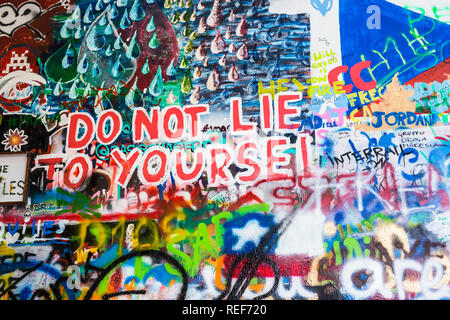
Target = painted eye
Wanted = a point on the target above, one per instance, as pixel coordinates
(7, 15)
(27, 11)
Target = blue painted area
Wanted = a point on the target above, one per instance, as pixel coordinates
(47, 226)
(160, 273)
(107, 257)
(437, 155)
(25, 293)
(386, 140)
(44, 268)
(230, 239)
(415, 153)
(339, 217)
(328, 145)
(10, 267)
(16, 227)
(392, 48)
(371, 205)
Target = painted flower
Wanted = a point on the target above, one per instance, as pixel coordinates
(14, 140)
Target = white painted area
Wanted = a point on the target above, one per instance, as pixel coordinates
(432, 274)
(295, 288)
(9, 82)
(426, 7)
(325, 34)
(377, 284)
(303, 236)
(440, 226)
(13, 168)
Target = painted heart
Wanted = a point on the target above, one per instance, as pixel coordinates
(12, 18)
(12, 238)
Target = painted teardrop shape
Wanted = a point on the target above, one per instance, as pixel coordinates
(129, 97)
(53, 66)
(218, 44)
(231, 16)
(197, 72)
(96, 72)
(202, 25)
(87, 90)
(117, 68)
(201, 5)
(168, 4)
(118, 43)
(79, 33)
(189, 47)
(195, 96)
(223, 60)
(58, 89)
(68, 58)
(154, 43)
(214, 79)
(133, 51)
(186, 84)
(113, 12)
(99, 5)
(73, 92)
(242, 28)
(150, 26)
(145, 68)
(125, 21)
(83, 65)
(108, 30)
(242, 52)
(175, 18)
(227, 33)
(94, 41)
(171, 98)
(156, 87)
(233, 74)
(103, 19)
(185, 16)
(215, 17)
(64, 32)
(137, 12)
(200, 52)
(184, 63)
(108, 51)
(171, 71)
(88, 15)
(232, 48)
(193, 17)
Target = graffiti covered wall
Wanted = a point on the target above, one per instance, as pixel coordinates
(224, 149)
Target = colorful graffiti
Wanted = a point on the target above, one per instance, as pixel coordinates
(224, 150)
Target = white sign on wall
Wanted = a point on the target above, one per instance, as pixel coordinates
(13, 177)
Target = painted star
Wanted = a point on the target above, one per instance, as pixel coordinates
(252, 231)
